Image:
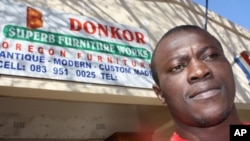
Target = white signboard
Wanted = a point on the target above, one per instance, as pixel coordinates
(42, 43)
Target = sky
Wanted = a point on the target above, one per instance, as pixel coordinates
(237, 11)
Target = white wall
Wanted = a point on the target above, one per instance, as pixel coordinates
(29, 118)
(75, 118)
(155, 17)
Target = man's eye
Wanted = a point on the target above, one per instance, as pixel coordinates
(177, 68)
(211, 57)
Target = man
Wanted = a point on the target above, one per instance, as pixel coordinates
(194, 78)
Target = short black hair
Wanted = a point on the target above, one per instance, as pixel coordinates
(169, 32)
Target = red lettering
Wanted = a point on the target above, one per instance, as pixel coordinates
(134, 63)
(89, 57)
(107, 31)
(110, 60)
(125, 62)
(115, 33)
(104, 29)
(79, 55)
(87, 29)
(99, 58)
(139, 38)
(51, 51)
(142, 64)
(75, 25)
(30, 48)
(5, 45)
(63, 53)
(40, 50)
(129, 36)
(117, 61)
(18, 47)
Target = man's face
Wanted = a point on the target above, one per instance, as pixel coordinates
(195, 78)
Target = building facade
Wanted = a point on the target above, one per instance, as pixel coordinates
(80, 70)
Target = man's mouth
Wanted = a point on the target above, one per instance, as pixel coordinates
(205, 94)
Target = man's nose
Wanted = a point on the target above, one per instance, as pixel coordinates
(198, 71)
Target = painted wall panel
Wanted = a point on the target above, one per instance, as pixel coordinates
(155, 17)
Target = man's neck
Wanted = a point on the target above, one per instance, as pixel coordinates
(219, 132)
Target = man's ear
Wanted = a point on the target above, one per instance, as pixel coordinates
(159, 93)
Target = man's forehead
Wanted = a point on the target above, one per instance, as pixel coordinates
(174, 36)
(177, 39)
(188, 31)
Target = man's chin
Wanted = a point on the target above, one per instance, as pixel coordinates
(208, 121)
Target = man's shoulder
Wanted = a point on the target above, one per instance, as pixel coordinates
(176, 137)
(246, 123)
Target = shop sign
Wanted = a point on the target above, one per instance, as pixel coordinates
(43, 43)
(243, 60)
